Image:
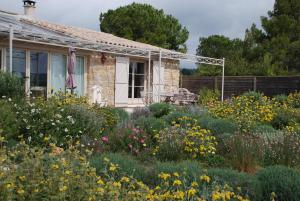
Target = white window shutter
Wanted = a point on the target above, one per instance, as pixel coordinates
(158, 87)
(121, 83)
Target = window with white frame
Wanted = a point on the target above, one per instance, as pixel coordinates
(18, 62)
(38, 73)
(58, 73)
(136, 84)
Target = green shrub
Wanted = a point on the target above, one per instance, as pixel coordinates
(294, 100)
(254, 95)
(112, 117)
(282, 149)
(85, 120)
(282, 98)
(58, 121)
(283, 181)
(244, 151)
(8, 120)
(140, 112)
(34, 174)
(160, 109)
(207, 95)
(174, 117)
(191, 170)
(248, 183)
(170, 144)
(263, 129)
(218, 126)
(150, 125)
(128, 165)
(11, 86)
(281, 119)
(121, 114)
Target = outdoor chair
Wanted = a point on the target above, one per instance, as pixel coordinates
(184, 97)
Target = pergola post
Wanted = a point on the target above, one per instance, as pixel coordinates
(149, 77)
(159, 75)
(11, 35)
(223, 79)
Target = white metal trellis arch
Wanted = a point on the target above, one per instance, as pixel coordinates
(16, 34)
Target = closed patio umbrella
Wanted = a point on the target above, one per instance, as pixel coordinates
(70, 83)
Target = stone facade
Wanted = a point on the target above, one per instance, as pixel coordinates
(102, 74)
(171, 75)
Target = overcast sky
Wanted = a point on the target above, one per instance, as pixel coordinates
(201, 17)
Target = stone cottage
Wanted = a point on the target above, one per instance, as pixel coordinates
(120, 72)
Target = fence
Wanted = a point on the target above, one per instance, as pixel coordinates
(236, 85)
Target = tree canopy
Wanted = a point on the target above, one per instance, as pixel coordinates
(272, 50)
(144, 23)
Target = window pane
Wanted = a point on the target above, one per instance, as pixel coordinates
(18, 62)
(130, 92)
(38, 73)
(140, 68)
(79, 76)
(130, 80)
(137, 92)
(58, 72)
(139, 80)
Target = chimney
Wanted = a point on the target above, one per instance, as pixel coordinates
(29, 7)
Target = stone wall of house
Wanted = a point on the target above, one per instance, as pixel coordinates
(101, 74)
(172, 75)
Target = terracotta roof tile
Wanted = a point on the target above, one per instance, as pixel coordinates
(90, 35)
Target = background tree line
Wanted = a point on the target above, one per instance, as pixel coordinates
(272, 50)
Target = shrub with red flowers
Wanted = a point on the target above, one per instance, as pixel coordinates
(136, 140)
(129, 138)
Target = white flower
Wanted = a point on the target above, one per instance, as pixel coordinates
(66, 130)
(80, 132)
(27, 127)
(3, 96)
(41, 134)
(32, 110)
(9, 99)
(53, 124)
(29, 139)
(58, 116)
(5, 169)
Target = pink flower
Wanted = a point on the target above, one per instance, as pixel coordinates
(130, 146)
(142, 141)
(105, 139)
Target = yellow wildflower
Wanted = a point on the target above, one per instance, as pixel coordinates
(113, 167)
(164, 176)
(205, 178)
(125, 179)
(177, 182)
(22, 178)
(20, 191)
(194, 184)
(117, 184)
(100, 181)
(176, 174)
(63, 188)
